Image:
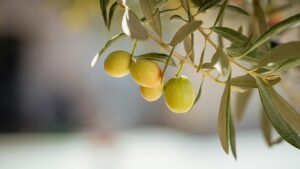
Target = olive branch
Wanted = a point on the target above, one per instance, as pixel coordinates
(265, 64)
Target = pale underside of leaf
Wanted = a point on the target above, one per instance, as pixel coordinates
(221, 62)
(152, 18)
(132, 27)
(223, 118)
(233, 36)
(242, 100)
(184, 31)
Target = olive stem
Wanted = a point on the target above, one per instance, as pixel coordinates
(180, 69)
(180, 57)
(168, 61)
(133, 49)
(185, 60)
(206, 36)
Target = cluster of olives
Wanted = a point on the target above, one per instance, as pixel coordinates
(178, 91)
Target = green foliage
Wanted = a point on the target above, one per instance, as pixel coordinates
(159, 57)
(253, 49)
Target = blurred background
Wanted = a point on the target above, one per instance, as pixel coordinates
(57, 112)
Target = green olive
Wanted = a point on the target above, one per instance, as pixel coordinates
(117, 63)
(179, 94)
(152, 94)
(146, 73)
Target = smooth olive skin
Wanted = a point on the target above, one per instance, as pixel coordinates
(117, 63)
(179, 94)
(152, 94)
(146, 73)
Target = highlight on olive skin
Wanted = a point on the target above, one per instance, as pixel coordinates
(152, 94)
(117, 64)
(146, 73)
(179, 94)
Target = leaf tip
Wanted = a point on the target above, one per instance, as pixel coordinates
(94, 61)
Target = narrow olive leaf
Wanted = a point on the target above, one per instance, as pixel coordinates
(200, 66)
(266, 128)
(103, 6)
(292, 63)
(261, 22)
(277, 140)
(274, 115)
(287, 111)
(192, 39)
(223, 118)
(147, 7)
(240, 29)
(253, 57)
(242, 100)
(207, 66)
(281, 26)
(249, 42)
(232, 137)
(189, 48)
(121, 1)
(185, 5)
(237, 38)
(281, 53)
(156, 17)
(184, 31)
(159, 57)
(168, 61)
(153, 19)
(199, 92)
(220, 38)
(177, 17)
(247, 81)
(205, 4)
(159, 3)
(260, 15)
(221, 12)
(132, 27)
(221, 62)
(106, 46)
(166, 11)
(111, 13)
(235, 9)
